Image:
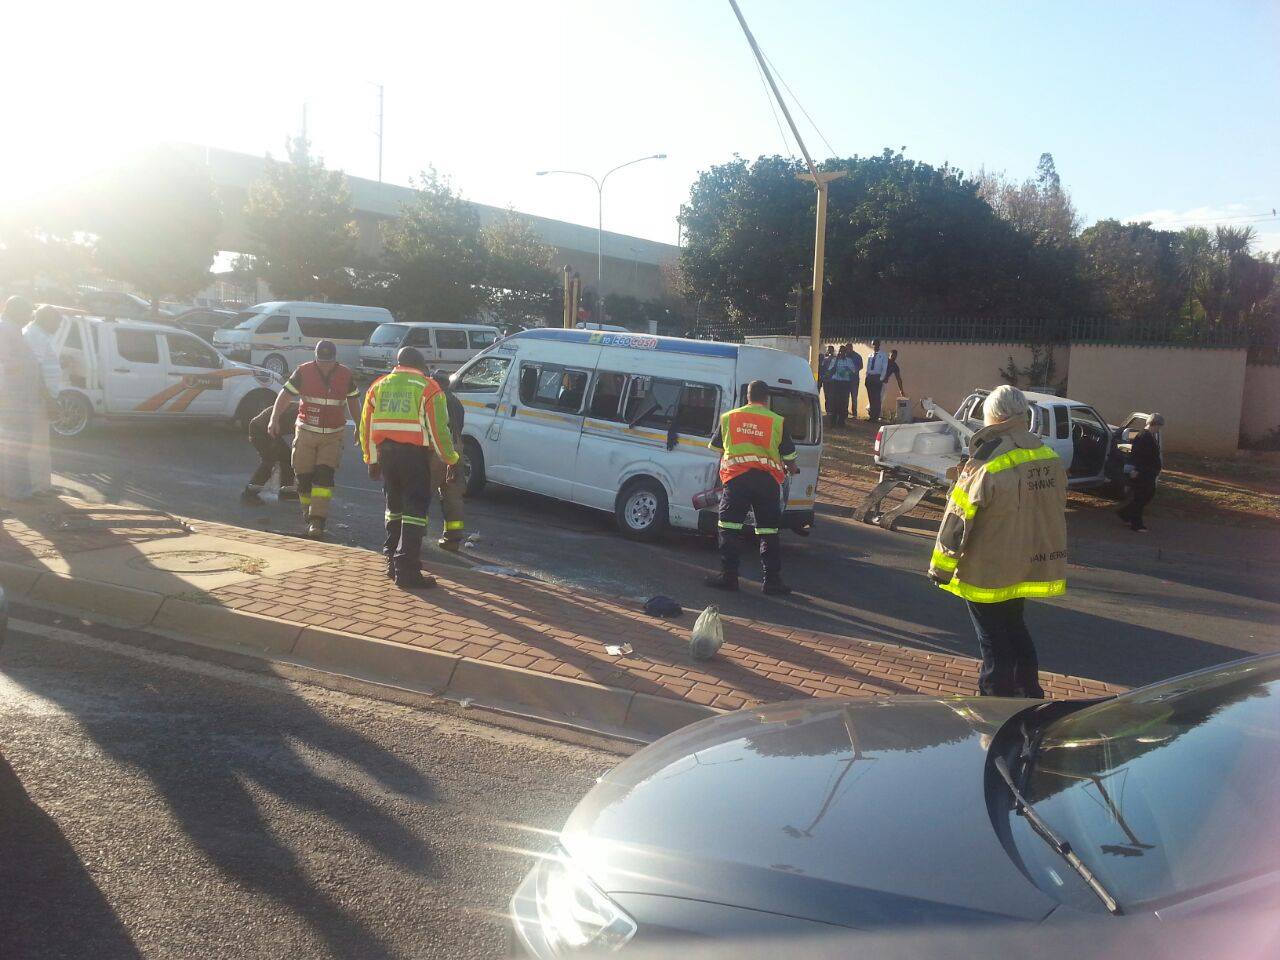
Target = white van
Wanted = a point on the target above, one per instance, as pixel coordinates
(620, 422)
(282, 334)
(136, 370)
(445, 346)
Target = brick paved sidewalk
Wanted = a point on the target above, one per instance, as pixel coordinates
(526, 624)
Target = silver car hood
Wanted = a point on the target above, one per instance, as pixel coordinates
(861, 813)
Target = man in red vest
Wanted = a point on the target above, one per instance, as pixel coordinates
(756, 454)
(326, 393)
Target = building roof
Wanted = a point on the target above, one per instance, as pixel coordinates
(234, 169)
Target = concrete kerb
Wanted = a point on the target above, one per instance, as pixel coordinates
(607, 710)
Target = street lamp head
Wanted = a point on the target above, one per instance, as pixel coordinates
(659, 156)
(542, 173)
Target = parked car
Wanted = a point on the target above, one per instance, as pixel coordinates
(858, 822)
(445, 346)
(280, 335)
(620, 422)
(118, 305)
(138, 370)
(204, 322)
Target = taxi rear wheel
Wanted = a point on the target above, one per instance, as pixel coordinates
(641, 510)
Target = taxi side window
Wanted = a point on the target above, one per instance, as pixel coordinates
(276, 323)
(1062, 422)
(652, 402)
(606, 399)
(137, 346)
(552, 387)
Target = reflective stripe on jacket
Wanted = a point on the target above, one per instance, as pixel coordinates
(406, 406)
(322, 401)
(1004, 532)
(753, 438)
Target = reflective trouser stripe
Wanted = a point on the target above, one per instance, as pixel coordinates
(942, 562)
(414, 521)
(765, 531)
(961, 500)
(454, 525)
(393, 516)
(728, 525)
(322, 493)
(1028, 588)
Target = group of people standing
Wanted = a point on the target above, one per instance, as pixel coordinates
(840, 376)
(30, 381)
(409, 428)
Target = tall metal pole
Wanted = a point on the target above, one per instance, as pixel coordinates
(381, 104)
(600, 251)
(818, 179)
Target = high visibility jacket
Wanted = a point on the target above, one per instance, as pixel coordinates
(753, 438)
(1004, 531)
(406, 406)
(322, 401)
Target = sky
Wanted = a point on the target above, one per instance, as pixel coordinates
(1153, 110)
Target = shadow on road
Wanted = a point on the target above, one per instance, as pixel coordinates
(49, 905)
(211, 750)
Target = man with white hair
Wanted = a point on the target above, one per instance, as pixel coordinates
(1146, 461)
(1003, 539)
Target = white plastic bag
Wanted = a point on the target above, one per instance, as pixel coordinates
(708, 634)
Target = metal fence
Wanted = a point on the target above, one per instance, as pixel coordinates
(991, 330)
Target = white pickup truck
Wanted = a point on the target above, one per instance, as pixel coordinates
(136, 370)
(925, 458)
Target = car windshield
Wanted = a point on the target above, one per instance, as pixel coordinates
(1171, 790)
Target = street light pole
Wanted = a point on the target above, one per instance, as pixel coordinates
(599, 185)
(819, 179)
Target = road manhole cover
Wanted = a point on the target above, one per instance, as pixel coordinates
(198, 561)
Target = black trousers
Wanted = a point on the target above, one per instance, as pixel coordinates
(406, 484)
(874, 386)
(273, 453)
(1010, 667)
(1141, 491)
(757, 491)
(838, 401)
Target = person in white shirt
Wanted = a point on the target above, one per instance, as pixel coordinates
(877, 373)
(39, 337)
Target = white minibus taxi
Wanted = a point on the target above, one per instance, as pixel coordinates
(282, 334)
(620, 422)
(445, 346)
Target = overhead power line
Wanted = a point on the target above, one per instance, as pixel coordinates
(786, 145)
(778, 73)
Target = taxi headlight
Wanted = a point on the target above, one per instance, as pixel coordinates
(575, 915)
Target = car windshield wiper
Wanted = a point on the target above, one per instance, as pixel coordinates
(1061, 847)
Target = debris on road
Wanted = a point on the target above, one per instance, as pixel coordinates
(618, 649)
(708, 634)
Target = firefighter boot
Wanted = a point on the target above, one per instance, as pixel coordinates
(315, 528)
(450, 544)
(249, 496)
(775, 587)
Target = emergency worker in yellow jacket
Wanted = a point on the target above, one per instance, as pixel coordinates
(404, 420)
(1004, 539)
(756, 454)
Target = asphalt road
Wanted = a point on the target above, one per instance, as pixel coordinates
(1138, 608)
(153, 806)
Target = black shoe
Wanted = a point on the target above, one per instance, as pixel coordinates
(414, 581)
(1139, 528)
(450, 544)
(775, 587)
(315, 529)
(250, 497)
(722, 581)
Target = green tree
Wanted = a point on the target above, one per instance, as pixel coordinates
(903, 237)
(520, 272)
(156, 224)
(1132, 272)
(300, 218)
(1038, 207)
(434, 255)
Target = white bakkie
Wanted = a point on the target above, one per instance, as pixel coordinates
(134, 370)
(620, 422)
